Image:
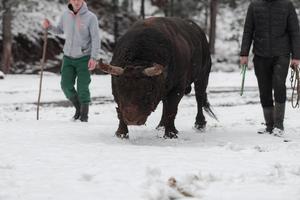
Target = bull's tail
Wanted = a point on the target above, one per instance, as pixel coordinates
(208, 109)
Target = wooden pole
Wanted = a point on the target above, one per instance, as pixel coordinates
(41, 73)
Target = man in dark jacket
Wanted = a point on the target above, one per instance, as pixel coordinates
(273, 27)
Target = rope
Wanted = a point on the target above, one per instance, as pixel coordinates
(295, 85)
(243, 72)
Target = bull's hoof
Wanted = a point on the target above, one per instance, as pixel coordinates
(172, 130)
(200, 126)
(122, 135)
(170, 135)
(163, 128)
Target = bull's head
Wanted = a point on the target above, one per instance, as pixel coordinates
(137, 90)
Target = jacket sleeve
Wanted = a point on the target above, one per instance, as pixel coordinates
(59, 29)
(248, 32)
(294, 32)
(95, 37)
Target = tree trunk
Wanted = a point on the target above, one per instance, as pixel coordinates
(171, 8)
(213, 20)
(233, 4)
(130, 5)
(166, 8)
(142, 9)
(206, 14)
(7, 58)
(125, 5)
(116, 25)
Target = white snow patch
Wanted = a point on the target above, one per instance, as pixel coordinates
(55, 158)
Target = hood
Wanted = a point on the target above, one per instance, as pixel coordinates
(81, 11)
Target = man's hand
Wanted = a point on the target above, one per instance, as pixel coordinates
(46, 24)
(295, 63)
(92, 64)
(244, 60)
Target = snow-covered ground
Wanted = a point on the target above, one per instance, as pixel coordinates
(55, 158)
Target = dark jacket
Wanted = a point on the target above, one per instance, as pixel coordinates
(274, 27)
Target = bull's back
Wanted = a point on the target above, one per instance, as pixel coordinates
(191, 48)
(178, 44)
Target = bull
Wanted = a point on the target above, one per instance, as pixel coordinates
(158, 59)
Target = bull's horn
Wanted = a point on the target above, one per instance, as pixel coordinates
(155, 70)
(110, 69)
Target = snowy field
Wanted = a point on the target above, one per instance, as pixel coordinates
(55, 158)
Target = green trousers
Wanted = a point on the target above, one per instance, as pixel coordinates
(72, 69)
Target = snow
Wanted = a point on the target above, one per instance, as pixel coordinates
(29, 16)
(56, 158)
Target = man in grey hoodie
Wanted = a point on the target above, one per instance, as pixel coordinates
(81, 52)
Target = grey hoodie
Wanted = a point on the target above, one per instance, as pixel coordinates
(81, 31)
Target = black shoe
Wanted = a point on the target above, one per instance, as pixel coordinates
(76, 115)
(279, 112)
(266, 130)
(269, 119)
(76, 104)
(84, 111)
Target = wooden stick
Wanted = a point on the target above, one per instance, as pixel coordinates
(41, 73)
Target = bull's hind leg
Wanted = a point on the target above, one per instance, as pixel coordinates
(122, 131)
(201, 98)
(170, 106)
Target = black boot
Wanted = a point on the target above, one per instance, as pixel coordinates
(76, 104)
(279, 112)
(269, 120)
(84, 112)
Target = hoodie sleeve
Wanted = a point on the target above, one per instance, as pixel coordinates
(59, 29)
(294, 32)
(95, 37)
(248, 32)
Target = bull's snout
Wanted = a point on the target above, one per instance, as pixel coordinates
(132, 115)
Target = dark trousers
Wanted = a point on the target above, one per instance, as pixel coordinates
(271, 75)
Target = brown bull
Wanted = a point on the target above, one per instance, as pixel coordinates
(158, 59)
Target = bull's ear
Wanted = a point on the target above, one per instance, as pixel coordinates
(155, 70)
(110, 69)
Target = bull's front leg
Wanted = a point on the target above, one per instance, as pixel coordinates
(122, 131)
(170, 111)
